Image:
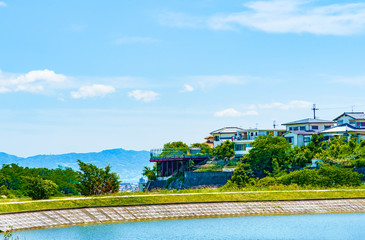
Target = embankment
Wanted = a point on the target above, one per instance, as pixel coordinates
(96, 215)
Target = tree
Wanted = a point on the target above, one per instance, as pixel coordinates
(39, 188)
(174, 149)
(225, 150)
(204, 148)
(242, 175)
(265, 149)
(95, 181)
(151, 174)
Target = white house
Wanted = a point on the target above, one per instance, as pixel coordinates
(355, 119)
(244, 138)
(223, 134)
(300, 132)
(345, 130)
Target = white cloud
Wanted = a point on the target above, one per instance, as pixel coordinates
(282, 16)
(3, 4)
(187, 88)
(295, 16)
(145, 96)
(95, 90)
(33, 81)
(290, 105)
(357, 80)
(231, 112)
(127, 40)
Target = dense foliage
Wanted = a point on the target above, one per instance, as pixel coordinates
(225, 150)
(273, 162)
(17, 181)
(96, 181)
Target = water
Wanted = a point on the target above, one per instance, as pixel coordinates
(325, 226)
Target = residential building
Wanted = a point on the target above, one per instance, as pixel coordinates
(355, 119)
(345, 130)
(209, 141)
(300, 132)
(224, 134)
(243, 139)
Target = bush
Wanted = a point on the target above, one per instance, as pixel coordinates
(37, 188)
(266, 181)
(326, 176)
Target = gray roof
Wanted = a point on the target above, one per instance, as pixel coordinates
(308, 120)
(354, 115)
(227, 130)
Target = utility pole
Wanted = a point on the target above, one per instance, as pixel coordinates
(274, 124)
(314, 111)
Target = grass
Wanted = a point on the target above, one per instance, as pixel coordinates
(192, 195)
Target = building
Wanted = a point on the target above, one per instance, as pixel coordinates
(345, 130)
(355, 119)
(299, 133)
(209, 141)
(224, 134)
(243, 139)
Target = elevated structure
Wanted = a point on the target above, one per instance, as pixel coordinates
(174, 160)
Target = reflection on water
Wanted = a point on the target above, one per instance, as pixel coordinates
(325, 226)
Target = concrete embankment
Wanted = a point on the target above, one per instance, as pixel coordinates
(68, 217)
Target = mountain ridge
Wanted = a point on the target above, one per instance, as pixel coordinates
(127, 163)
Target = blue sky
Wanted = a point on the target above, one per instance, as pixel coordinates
(79, 76)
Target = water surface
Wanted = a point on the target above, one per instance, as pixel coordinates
(324, 226)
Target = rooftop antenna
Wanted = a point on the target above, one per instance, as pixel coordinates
(314, 110)
(274, 124)
(257, 125)
(352, 108)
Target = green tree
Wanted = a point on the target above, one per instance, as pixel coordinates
(242, 175)
(174, 149)
(95, 181)
(225, 150)
(151, 174)
(204, 148)
(265, 149)
(37, 188)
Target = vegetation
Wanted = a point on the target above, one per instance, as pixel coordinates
(96, 181)
(224, 150)
(151, 174)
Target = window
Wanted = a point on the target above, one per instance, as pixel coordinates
(295, 128)
(307, 139)
(216, 138)
(339, 122)
(252, 134)
(302, 128)
(327, 126)
(248, 145)
(314, 127)
(291, 129)
(240, 147)
(290, 139)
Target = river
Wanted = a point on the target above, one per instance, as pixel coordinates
(323, 226)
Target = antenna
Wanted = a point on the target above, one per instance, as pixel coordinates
(257, 125)
(352, 108)
(314, 110)
(274, 124)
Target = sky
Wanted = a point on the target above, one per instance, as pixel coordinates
(82, 76)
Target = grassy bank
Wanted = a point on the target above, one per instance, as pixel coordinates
(164, 197)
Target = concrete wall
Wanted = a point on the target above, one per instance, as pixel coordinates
(81, 216)
(199, 179)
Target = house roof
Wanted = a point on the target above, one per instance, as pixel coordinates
(354, 115)
(308, 120)
(227, 130)
(259, 129)
(302, 132)
(343, 128)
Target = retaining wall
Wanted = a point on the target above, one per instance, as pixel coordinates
(211, 178)
(69, 217)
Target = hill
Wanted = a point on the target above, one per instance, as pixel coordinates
(128, 163)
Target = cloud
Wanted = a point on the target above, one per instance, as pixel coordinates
(127, 40)
(3, 4)
(95, 90)
(33, 81)
(145, 96)
(231, 112)
(291, 105)
(357, 80)
(282, 16)
(187, 88)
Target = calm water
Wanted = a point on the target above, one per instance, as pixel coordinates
(327, 226)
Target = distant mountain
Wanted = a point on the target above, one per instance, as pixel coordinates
(128, 163)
